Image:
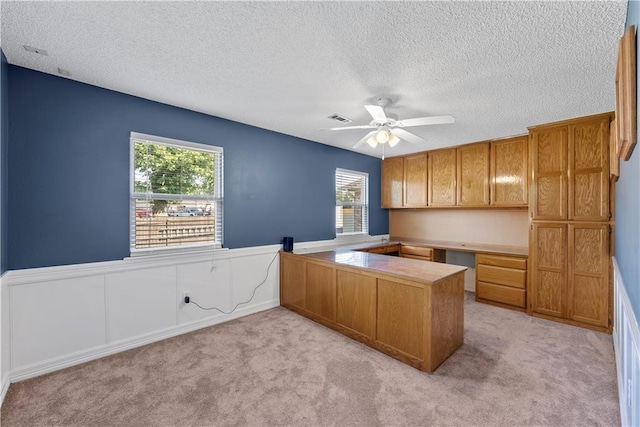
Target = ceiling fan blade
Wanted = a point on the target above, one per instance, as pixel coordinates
(349, 127)
(408, 136)
(423, 121)
(377, 113)
(363, 140)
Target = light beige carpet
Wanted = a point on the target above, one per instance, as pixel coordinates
(277, 368)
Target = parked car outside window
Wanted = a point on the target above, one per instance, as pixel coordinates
(143, 212)
(186, 212)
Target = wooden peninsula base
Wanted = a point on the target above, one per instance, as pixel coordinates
(411, 310)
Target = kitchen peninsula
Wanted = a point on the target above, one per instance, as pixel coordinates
(408, 309)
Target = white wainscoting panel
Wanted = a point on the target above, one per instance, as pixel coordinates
(53, 319)
(253, 274)
(5, 340)
(56, 317)
(140, 302)
(209, 284)
(626, 341)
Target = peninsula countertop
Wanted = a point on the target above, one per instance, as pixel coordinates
(418, 271)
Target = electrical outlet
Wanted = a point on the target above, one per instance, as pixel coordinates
(184, 295)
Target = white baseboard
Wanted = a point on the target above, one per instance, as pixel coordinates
(626, 343)
(66, 361)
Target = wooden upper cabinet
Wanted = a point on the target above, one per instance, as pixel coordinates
(473, 175)
(588, 285)
(392, 182)
(442, 177)
(548, 255)
(548, 199)
(570, 170)
(415, 181)
(589, 170)
(509, 166)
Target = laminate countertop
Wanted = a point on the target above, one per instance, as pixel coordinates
(460, 246)
(411, 269)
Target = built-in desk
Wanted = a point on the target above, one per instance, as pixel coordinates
(501, 271)
(411, 310)
(461, 247)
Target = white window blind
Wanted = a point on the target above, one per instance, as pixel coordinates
(352, 202)
(176, 193)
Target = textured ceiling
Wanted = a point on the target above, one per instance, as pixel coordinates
(497, 67)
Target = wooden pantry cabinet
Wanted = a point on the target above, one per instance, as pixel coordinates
(570, 273)
(570, 170)
(570, 210)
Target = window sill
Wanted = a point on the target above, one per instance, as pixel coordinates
(352, 237)
(173, 251)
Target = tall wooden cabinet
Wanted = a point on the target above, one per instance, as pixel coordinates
(588, 157)
(569, 206)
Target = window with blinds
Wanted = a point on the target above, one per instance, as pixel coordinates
(176, 193)
(352, 202)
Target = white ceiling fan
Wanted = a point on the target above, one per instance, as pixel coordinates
(388, 130)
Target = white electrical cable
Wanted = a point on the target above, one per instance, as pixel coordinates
(244, 302)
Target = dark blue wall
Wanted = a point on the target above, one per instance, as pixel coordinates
(69, 175)
(4, 162)
(627, 236)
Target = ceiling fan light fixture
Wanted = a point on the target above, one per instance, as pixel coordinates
(393, 139)
(382, 136)
(372, 141)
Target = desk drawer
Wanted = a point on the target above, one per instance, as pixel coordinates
(502, 261)
(391, 248)
(380, 250)
(501, 276)
(502, 294)
(416, 250)
(421, 258)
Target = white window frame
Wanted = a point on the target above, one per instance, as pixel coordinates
(365, 205)
(217, 197)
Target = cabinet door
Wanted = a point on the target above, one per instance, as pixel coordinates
(356, 307)
(589, 170)
(442, 177)
(401, 317)
(509, 164)
(415, 181)
(321, 290)
(548, 263)
(473, 175)
(548, 197)
(392, 177)
(292, 281)
(588, 285)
